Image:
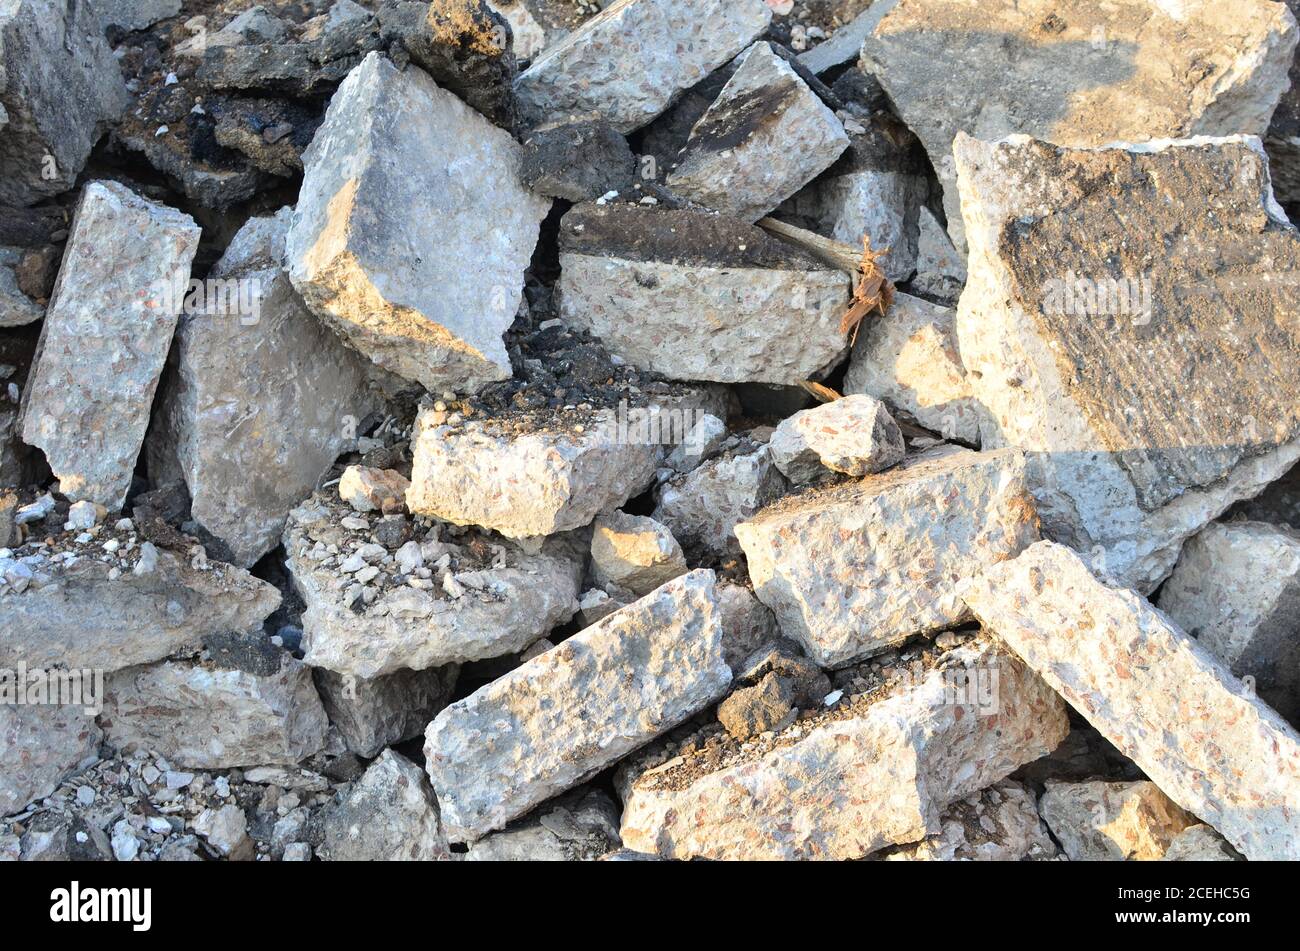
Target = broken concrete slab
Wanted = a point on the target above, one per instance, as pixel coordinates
(1077, 73)
(747, 623)
(105, 339)
(577, 161)
(1161, 698)
(579, 827)
(200, 716)
(388, 815)
(909, 358)
(524, 484)
(561, 718)
(371, 612)
(940, 267)
(854, 436)
(262, 399)
(60, 88)
(999, 824)
(96, 611)
(694, 296)
(738, 159)
(874, 771)
(1110, 822)
(379, 249)
(704, 506)
(1147, 381)
(627, 64)
(40, 746)
(634, 552)
(1236, 589)
(383, 711)
(856, 568)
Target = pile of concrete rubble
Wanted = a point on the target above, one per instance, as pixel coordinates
(688, 429)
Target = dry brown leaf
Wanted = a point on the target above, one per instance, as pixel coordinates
(871, 291)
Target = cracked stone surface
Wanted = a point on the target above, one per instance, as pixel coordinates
(853, 569)
(1162, 699)
(388, 815)
(204, 717)
(855, 782)
(704, 506)
(39, 747)
(628, 63)
(909, 359)
(1100, 822)
(738, 159)
(105, 339)
(262, 397)
(559, 719)
(413, 229)
(1150, 407)
(694, 296)
(1077, 73)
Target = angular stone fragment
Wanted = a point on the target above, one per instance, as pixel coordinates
(853, 569)
(578, 161)
(85, 617)
(698, 297)
(627, 64)
(1000, 824)
(1079, 73)
(579, 827)
(263, 399)
(39, 747)
(767, 705)
(60, 87)
(484, 600)
(523, 484)
(1108, 822)
(131, 15)
(738, 158)
(855, 436)
(412, 230)
(747, 623)
(564, 716)
(105, 339)
(1200, 843)
(909, 359)
(1148, 381)
(703, 507)
(855, 779)
(203, 717)
(16, 307)
(373, 490)
(634, 552)
(1236, 589)
(373, 714)
(1161, 698)
(388, 815)
(940, 267)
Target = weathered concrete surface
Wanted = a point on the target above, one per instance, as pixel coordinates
(697, 297)
(413, 230)
(579, 827)
(854, 436)
(83, 618)
(261, 398)
(747, 623)
(704, 506)
(373, 714)
(60, 87)
(203, 717)
(562, 717)
(1236, 589)
(1148, 381)
(909, 359)
(526, 484)
(39, 747)
(999, 824)
(634, 552)
(1110, 822)
(388, 815)
(628, 63)
(1160, 697)
(738, 159)
(940, 267)
(479, 613)
(1200, 843)
(134, 14)
(847, 785)
(853, 569)
(1077, 73)
(105, 339)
